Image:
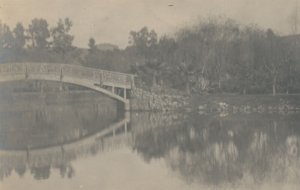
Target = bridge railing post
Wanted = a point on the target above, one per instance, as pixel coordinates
(125, 93)
(26, 72)
(113, 90)
(132, 82)
(125, 128)
(101, 78)
(61, 73)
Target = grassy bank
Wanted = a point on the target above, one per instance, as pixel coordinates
(245, 100)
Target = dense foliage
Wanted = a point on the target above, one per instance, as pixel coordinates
(213, 56)
(220, 56)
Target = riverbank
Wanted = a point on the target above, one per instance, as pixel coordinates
(246, 103)
(143, 100)
(158, 99)
(166, 100)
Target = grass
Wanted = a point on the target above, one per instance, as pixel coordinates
(251, 100)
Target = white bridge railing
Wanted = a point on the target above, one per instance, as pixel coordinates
(61, 71)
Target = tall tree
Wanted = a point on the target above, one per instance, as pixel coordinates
(6, 37)
(142, 40)
(20, 38)
(294, 19)
(39, 33)
(144, 44)
(62, 39)
(92, 58)
(243, 60)
(275, 58)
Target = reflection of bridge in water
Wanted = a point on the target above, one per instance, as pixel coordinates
(200, 148)
(113, 137)
(113, 84)
(117, 135)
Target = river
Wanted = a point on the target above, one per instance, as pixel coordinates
(91, 145)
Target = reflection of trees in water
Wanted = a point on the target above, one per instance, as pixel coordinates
(41, 162)
(66, 170)
(20, 170)
(5, 172)
(53, 124)
(217, 151)
(39, 172)
(26, 129)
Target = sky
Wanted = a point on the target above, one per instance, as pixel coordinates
(110, 21)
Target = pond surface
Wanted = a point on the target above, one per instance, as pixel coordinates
(90, 145)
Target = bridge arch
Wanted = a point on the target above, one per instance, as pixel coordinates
(99, 80)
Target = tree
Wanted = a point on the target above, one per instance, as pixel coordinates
(166, 49)
(20, 38)
(39, 33)
(274, 58)
(92, 59)
(294, 20)
(92, 45)
(203, 53)
(144, 45)
(244, 64)
(62, 40)
(143, 40)
(187, 56)
(6, 37)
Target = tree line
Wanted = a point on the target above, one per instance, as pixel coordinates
(212, 56)
(219, 55)
(40, 42)
(36, 40)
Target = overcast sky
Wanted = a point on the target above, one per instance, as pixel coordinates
(111, 20)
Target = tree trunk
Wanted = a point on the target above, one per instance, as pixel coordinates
(33, 41)
(274, 86)
(188, 88)
(154, 82)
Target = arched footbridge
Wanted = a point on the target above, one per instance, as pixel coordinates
(113, 84)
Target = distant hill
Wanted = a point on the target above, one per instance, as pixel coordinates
(292, 39)
(107, 47)
(294, 42)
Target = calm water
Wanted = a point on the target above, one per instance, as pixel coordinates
(89, 145)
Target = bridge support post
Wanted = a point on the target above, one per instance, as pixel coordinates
(26, 72)
(127, 105)
(113, 89)
(125, 93)
(125, 128)
(132, 82)
(41, 86)
(61, 74)
(61, 87)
